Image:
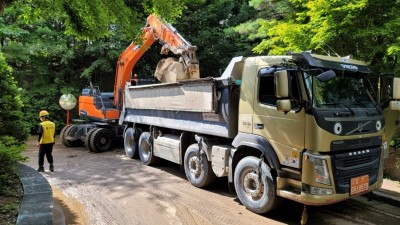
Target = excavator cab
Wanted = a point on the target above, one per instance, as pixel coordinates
(97, 105)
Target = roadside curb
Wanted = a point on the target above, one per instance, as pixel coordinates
(37, 202)
(384, 197)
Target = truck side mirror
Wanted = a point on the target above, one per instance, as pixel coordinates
(395, 105)
(281, 80)
(326, 76)
(283, 105)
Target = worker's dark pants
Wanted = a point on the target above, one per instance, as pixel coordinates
(45, 149)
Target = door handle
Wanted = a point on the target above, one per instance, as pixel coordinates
(258, 126)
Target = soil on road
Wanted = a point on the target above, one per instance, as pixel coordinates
(114, 189)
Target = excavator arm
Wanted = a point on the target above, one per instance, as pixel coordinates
(107, 107)
(172, 41)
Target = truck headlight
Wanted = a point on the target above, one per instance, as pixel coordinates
(320, 168)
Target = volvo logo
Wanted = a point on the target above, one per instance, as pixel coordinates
(358, 152)
(338, 142)
(349, 67)
(359, 127)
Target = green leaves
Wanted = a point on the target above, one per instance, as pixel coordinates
(367, 29)
(169, 10)
(10, 105)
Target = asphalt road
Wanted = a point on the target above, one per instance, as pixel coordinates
(113, 189)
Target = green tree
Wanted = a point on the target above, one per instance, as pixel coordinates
(206, 24)
(11, 117)
(13, 131)
(366, 29)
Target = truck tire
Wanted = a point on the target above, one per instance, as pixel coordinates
(64, 134)
(87, 139)
(256, 194)
(131, 143)
(146, 150)
(101, 140)
(198, 170)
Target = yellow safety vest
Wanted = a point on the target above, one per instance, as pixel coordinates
(48, 129)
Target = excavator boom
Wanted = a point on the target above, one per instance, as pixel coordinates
(172, 41)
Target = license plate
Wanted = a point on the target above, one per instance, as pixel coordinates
(359, 184)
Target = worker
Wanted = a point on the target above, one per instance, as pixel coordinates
(46, 140)
(134, 80)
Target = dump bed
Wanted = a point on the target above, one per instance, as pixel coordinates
(201, 106)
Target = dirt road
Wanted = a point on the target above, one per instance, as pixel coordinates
(114, 189)
(108, 188)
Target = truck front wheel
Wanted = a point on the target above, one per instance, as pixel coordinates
(130, 143)
(146, 149)
(255, 185)
(197, 168)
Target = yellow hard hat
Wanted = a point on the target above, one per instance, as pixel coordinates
(43, 113)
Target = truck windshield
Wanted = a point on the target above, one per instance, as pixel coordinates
(346, 90)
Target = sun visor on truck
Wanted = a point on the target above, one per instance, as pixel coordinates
(305, 59)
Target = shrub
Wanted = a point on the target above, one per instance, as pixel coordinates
(13, 131)
(10, 154)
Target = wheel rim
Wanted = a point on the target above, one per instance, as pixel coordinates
(128, 144)
(103, 140)
(194, 166)
(145, 149)
(253, 187)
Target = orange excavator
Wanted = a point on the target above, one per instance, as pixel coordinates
(101, 110)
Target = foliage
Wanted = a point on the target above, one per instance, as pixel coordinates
(10, 105)
(206, 25)
(10, 154)
(82, 19)
(57, 47)
(366, 29)
(13, 131)
(55, 64)
(169, 10)
(97, 19)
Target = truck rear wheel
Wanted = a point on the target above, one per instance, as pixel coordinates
(197, 168)
(146, 153)
(131, 142)
(255, 185)
(101, 140)
(87, 139)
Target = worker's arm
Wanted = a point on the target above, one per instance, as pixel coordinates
(40, 130)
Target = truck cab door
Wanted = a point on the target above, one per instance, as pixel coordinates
(283, 130)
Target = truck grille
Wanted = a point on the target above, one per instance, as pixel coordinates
(349, 164)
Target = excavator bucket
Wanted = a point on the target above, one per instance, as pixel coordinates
(171, 70)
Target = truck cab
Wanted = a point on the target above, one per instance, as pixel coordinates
(316, 121)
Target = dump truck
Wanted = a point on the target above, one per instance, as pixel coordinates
(303, 126)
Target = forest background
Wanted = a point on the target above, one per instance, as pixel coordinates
(54, 47)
